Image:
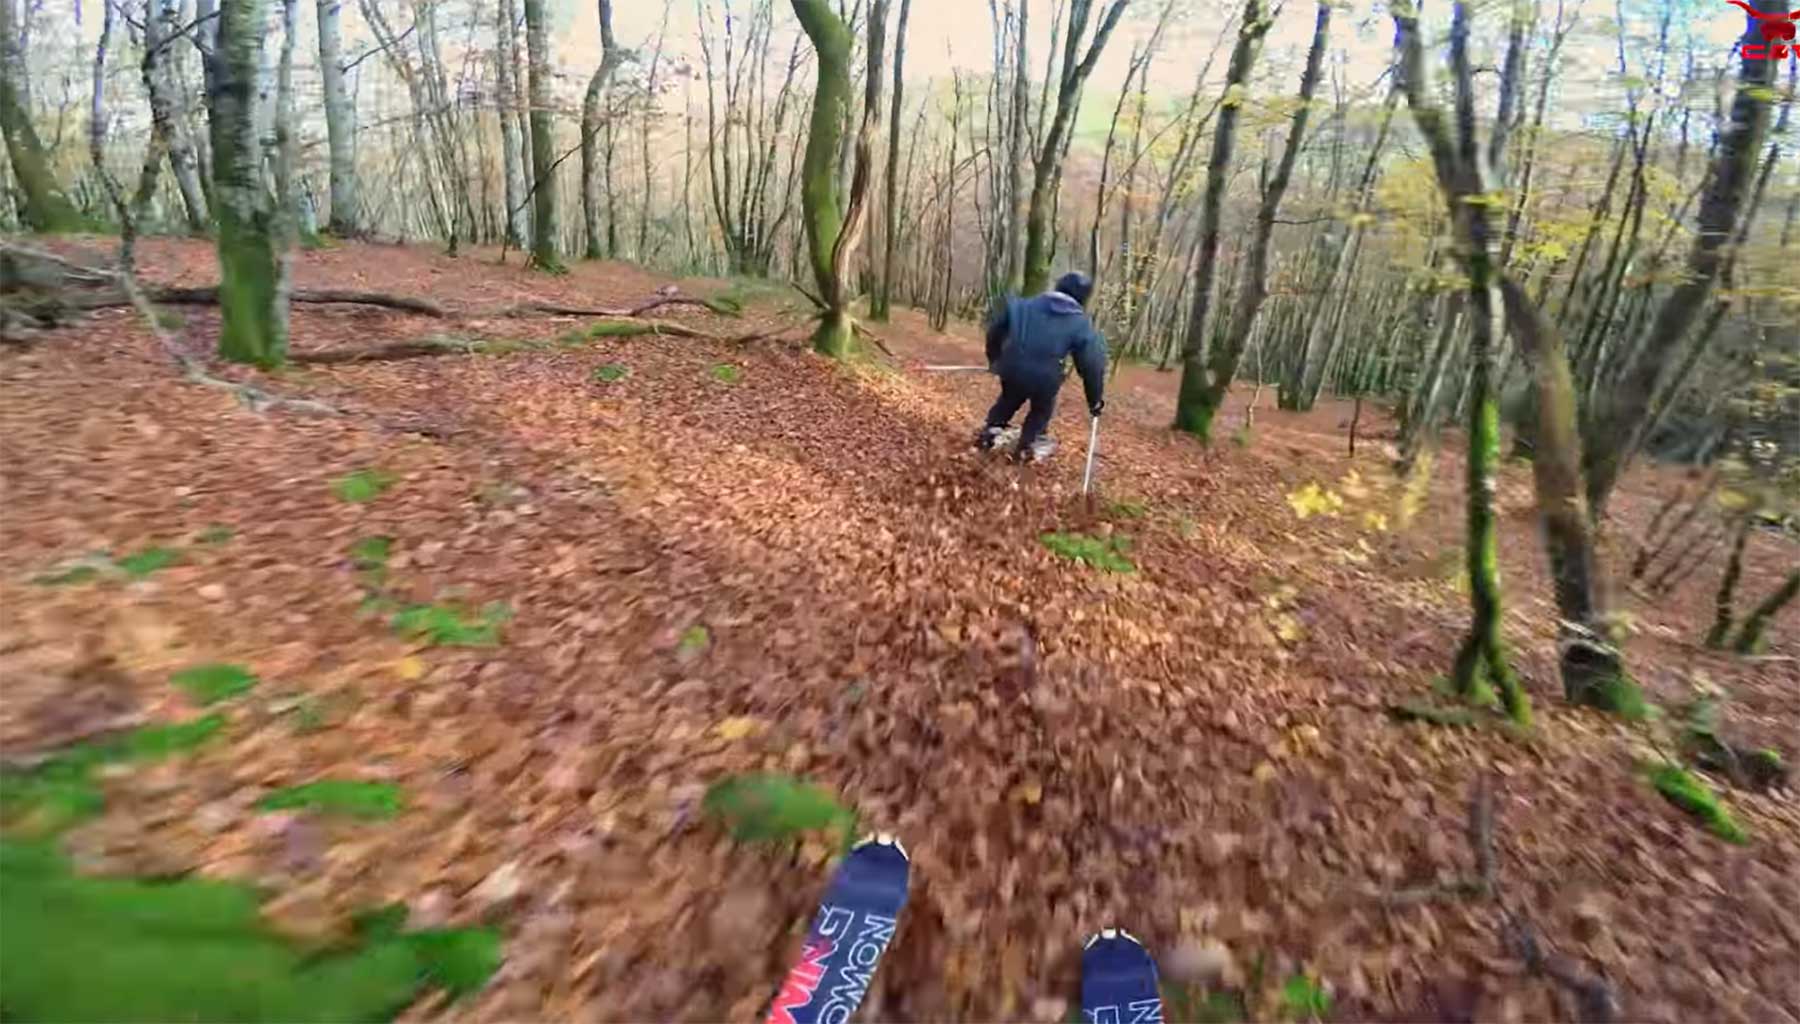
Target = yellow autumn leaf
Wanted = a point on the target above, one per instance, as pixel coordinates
(1288, 628)
(1376, 521)
(736, 728)
(1030, 791)
(410, 669)
(1313, 500)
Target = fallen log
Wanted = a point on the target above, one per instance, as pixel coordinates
(170, 296)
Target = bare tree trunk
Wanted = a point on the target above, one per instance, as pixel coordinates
(1622, 412)
(831, 241)
(160, 21)
(1046, 174)
(1462, 173)
(546, 245)
(591, 115)
(1750, 637)
(1200, 399)
(252, 304)
(1723, 600)
(46, 206)
(1193, 413)
(511, 153)
(643, 237)
(1307, 374)
(340, 123)
(940, 312)
(892, 213)
(1015, 154)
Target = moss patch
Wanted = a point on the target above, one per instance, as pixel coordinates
(374, 800)
(198, 951)
(1685, 790)
(1104, 553)
(209, 684)
(772, 808)
(62, 791)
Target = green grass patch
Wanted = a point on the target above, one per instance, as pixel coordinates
(611, 373)
(1125, 508)
(371, 800)
(142, 563)
(617, 329)
(61, 791)
(211, 683)
(1685, 790)
(694, 639)
(725, 373)
(195, 950)
(216, 534)
(170, 320)
(1106, 553)
(1190, 1003)
(1304, 998)
(362, 486)
(370, 553)
(1622, 696)
(774, 808)
(1481, 692)
(446, 625)
(72, 576)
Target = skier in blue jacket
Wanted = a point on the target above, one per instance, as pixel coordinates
(1027, 341)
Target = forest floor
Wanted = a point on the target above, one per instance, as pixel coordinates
(742, 557)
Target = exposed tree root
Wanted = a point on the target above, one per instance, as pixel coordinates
(1594, 996)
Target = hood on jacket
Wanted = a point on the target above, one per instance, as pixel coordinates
(1060, 304)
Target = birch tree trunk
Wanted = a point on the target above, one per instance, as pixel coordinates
(340, 124)
(546, 251)
(252, 304)
(160, 21)
(1622, 412)
(1046, 173)
(511, 153)
(47, 207)
(1201, 397)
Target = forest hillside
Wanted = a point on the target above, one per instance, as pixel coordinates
(497, 503)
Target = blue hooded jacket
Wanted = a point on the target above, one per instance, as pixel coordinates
(1028, 339)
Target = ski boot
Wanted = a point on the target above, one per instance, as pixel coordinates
(1038, 451)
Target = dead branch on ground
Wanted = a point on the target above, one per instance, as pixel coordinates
(1594, 995)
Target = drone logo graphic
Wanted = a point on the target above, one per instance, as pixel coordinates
(1777, 30)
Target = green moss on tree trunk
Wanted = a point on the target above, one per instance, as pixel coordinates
(818, 169)
(834, 335)
(1483, 547)
(1750, 638)
(47, 208)
(253, 308)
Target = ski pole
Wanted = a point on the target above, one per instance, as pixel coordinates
(1087, 475)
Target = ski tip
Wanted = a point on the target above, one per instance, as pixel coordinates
(884, 839)
(1111, 933)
